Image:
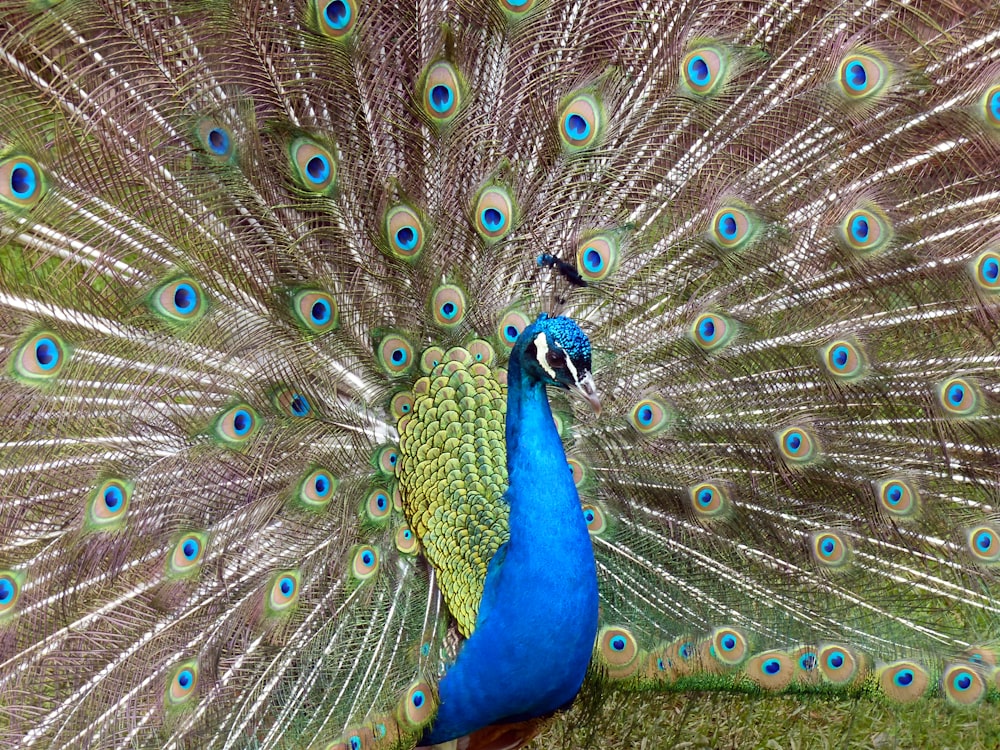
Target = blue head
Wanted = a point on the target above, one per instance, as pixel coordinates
(554, 351)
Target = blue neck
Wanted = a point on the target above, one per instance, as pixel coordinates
(538, 617)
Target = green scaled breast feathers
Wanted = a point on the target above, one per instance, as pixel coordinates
(453, 473)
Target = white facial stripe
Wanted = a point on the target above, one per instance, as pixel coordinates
(572, 369)
(542, 347)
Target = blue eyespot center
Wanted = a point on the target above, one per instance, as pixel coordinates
(287, 585)
(511, 333)
(860, 228)
(185, 678)
(318, 168)
(706, 329)
(6, 590)
(113, 498)
(577, 127)
(699, 71)
(857, 76)
(367, 557)
(962, 681)
(338, 14)
(991, 270)
(835, 660)
(984, 541)
(381, 501)
(321, 485)
(441, 97)
(418, 698)
(242, 422)
(218, 141)
(320, 312)
(406, 238)
(185, 298)
(593, 260)
(493, 219)
(588, 516)
(807, 662)
(448, 310)
(894, 494)
(840, 357)
(904, 677)
(645, 415)
(705, 497)
(398, 356)
(618, 643)
(828, 546)
(793, 442)
(46, 353)
(22, 181)
(956, 394)
(727, 226)
(729, 643)
(300, 405)
(190, 549)
(772, 666)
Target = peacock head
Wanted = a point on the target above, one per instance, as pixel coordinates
(556, 352)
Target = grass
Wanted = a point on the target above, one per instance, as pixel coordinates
(729, 721)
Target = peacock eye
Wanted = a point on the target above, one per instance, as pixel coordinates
(555, 359)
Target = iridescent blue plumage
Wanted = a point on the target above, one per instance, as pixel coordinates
(538, 616)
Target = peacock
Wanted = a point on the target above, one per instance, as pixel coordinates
(394, 373)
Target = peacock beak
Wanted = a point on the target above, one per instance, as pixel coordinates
(586, 388)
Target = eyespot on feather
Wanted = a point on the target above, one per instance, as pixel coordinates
(897, 498)
(418, 706)
(903, 681)
(313, 166)
(510, 327)
(395, 353)
(729, 646)
(236, 425)
(493, 215)
(179, 301)
(22, 183)
(406, 540)
(580, 122)
(704, 70)
(711, 331)
(378, 505)
(597, 257)
(985, 271)
(187, 554)
(517, 9)
(843, 360)
(797, 446)
(291, 403)
(283, 591)
(404, 232)
(596, 521)
(401, 404)
(442, 93)
(863, 75)
(216, 141)
(448, 306)
(617, 648)
(958, 397)
(317, 488)
(385, 460)
(830, 549)
(984, 544)
(40, 358)
(962, 685)
(865, 230)
(651, 416)
(734, 228)
(839, 665)
(315, 311)
(182, 683)
(108, 504)
(11, 583)
(365, 562)
(335, 18)
(771, 670)
(481, 351)
(709, 501)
